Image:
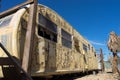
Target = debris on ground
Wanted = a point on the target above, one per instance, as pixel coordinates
(100, 76)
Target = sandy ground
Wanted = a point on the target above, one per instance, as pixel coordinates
(100, 76)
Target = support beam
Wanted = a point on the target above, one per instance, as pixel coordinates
(102, 61)
(29, 40)
(14, 9)
(5, 61)
(14, 62)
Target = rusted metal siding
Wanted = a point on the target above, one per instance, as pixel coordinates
(50, 57)
(54, 57)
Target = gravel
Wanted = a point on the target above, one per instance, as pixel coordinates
(100, 76)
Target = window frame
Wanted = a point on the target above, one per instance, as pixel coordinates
(65, 38)
(46, 25)
(47, 29)
(85, 48)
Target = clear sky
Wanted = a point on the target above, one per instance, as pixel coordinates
(93, 19)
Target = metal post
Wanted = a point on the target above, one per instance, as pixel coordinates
(29, 40)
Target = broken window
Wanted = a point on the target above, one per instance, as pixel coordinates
(95, 54)
(88, 46)
(47, 28)
(44, 22)
(85, 48)
(66, 39)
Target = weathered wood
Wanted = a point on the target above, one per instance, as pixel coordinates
(102, 61)
(14, 9)
(16, 64)
(29, 40)
(5, 61)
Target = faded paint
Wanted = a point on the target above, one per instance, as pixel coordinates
(51, 57)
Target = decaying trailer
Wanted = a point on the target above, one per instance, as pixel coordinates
(58, 47)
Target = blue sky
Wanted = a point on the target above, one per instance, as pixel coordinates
(93, 19)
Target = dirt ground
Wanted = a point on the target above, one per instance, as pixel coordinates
(100, 76)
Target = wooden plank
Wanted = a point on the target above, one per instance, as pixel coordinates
(5, 61)
(11, 73)
(16, 64)
(29, 40)
(102, 61)
(14, 9)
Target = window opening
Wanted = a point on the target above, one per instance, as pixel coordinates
(85, 48)
(44, 22)
(66, 39)
(95, 54)
(47, 28)
(88, 46)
